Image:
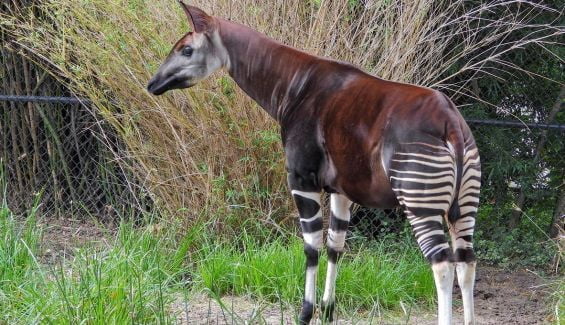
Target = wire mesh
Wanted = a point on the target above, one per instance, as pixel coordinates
(59, 155)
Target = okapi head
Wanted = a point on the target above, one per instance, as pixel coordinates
(194, 57)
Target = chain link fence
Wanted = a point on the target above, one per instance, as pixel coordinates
(55, 153)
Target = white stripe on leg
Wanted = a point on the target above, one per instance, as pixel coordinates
(314, 239)
(444, 273)
(466, 280)
(339, 206)
(310, 285)
(336, 239)
(329, 289)
(309, 195)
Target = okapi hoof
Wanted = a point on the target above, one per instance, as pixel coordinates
(306, 313)
(328, 312)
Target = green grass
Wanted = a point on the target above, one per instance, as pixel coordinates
(557, 300)
(383, 275)
(131, 281)
(560, 304)
(136, 277)
(17, 245)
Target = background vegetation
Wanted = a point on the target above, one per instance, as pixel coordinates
(209, 158)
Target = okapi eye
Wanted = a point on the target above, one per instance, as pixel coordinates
(187, 51)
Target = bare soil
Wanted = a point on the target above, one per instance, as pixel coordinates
(62, 237)
(505, 297)
(501, 297)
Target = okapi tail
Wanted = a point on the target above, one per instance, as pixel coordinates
(456, 140)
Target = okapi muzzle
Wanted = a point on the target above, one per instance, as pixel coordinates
(360, 138)
(161, 83)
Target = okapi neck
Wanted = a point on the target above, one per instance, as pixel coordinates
(271, 73)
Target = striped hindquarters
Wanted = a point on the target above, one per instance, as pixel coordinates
(423, 177)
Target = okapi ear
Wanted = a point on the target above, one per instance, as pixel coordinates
(199, 20)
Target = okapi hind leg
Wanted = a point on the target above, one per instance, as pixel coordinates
(422, 176)
(308, 204)
(462, 225)
(339, 222)
(431, 239)
(443, 278)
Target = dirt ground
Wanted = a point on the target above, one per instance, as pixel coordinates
(504, 297)
(501, 296)
(62, 237)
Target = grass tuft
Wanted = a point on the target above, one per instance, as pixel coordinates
(131, 281)
(377, 275)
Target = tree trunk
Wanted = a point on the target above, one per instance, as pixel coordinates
(517, 212)
(557, 223)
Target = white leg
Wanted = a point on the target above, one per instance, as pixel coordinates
(310, 285)
(329, 289)
(466, 279)
(444, 272)
(339, 222)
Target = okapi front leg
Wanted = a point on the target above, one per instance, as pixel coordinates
(308, 204)
(339, 222)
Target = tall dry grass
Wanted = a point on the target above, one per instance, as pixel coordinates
(210, 149)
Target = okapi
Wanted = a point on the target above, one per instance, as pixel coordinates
(360, 138)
